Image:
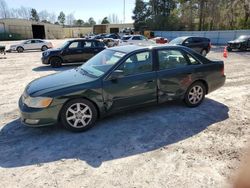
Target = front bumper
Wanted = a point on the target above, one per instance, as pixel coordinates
(234, 45)
(36, 117)
(45, 60)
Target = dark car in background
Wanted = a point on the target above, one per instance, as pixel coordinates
(241, 43)
(72, 51)
(118, 79)
(201, 45)
(112, 35)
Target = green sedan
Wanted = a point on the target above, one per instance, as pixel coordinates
(118, 79)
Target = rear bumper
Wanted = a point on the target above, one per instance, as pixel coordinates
(217, 84)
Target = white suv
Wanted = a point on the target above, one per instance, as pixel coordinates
(32, 44)
(135, 40)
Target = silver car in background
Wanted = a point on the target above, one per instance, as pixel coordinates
(31, 44)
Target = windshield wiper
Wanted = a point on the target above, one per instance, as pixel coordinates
(89, 73)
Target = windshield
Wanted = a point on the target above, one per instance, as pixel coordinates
(242, 38)
(64, 45)
(101, 63)
(178, 40)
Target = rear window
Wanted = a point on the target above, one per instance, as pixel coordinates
(126, 37)
(200, 39)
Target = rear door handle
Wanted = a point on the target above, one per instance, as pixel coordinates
(150, 81)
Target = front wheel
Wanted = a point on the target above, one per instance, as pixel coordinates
(55, 62)
(195, 94)
(78, 115)
(229, 49)
(20, 49)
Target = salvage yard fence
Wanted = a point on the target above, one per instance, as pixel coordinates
(216, 37)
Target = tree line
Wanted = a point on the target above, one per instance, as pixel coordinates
(189, 15)
(47, 17)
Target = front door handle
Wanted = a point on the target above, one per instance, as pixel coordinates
(150, 81)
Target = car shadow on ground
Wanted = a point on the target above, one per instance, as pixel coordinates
(62, 68)
(118, 136)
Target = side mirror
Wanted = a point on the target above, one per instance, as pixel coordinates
(116, 75)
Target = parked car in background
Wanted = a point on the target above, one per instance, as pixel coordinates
(241, 43)
(117, 79)
(201, 45)
(32, 44)
(160, 40)
(135, 40)
(112, 35)
(99, 36)
(112, 39)
(77, 50)
(109, 42)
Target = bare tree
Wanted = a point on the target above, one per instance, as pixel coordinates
(70, 19)
(4, 10)
(24, 12)
(44, 15)
(113, 18)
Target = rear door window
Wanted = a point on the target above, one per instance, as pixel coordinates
(171, 59)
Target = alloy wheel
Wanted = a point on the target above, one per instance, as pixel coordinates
(195, 94)
(78, 115)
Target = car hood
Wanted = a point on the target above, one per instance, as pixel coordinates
(57, 81)
(235, 41)
(54, 50)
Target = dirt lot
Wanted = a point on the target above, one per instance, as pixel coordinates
(165, 146)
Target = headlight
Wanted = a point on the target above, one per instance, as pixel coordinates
(46, 53)
(37, 102)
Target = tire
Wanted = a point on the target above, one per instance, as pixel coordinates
(243, 48)
(229, 49)
(19, 49)
(55, 62)
(78, 115)
(44, 48)
(204, 52)
(195, 94)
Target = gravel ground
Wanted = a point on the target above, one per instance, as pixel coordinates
(163, 146)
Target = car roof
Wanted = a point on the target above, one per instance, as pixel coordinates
(185, 37)
(132, 48)
(82, 39)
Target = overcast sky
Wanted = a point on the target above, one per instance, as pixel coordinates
(82, 9)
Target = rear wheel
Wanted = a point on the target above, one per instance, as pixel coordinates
(55, 62)
(19, 49)
(44, 48)
(78, 115)
(195, 94)
(204, 52)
